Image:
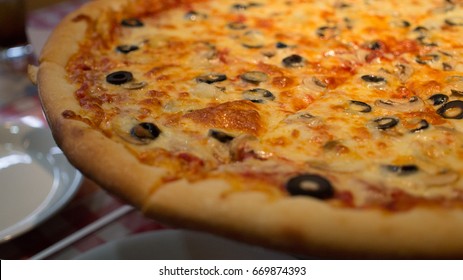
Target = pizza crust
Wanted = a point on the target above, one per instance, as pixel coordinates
(105, 161)
(299, 225)
(303, 226)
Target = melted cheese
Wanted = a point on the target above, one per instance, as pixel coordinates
(327, 62)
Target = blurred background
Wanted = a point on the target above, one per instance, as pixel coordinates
(47, 209)
(36, 4)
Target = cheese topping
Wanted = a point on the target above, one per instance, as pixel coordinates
(367, 93)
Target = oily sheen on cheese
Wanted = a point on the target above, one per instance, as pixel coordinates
(367, 95)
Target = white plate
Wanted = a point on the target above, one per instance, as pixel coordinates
(36, 180)
(179, 245)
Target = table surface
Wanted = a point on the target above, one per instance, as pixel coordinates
(91, 204)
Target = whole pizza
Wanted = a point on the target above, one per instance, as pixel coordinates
(323, 128)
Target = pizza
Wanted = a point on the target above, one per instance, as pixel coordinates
(322, 128)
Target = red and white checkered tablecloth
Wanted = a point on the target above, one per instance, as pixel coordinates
(90, 203)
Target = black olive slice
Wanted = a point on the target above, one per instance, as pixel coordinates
(195, 16)
(348, 23)
(192, 15)
(242, 7)
(126, 48)
(132, 22)
(425, 41)
(342, 5)
(254, 4)
(268, 53)
(414, 103)
(403, 71)
(400, 23)
(293, 61)
(421, 30)
(220, 136)
(446, 66)
(454, 21)
(446, 53)
(405, 23)
(314, 81)
(259, 101)
(281, 45)
(423, 124)
(452, 110)
(326, 31)
(254, 77)
(119, 77)
(258, 95)
(253, 45)
(239, 7)
(310, 185)
(373, 79)
(145, 131)
(211, 78)
(374, 46)
(134, 85)
(457, 93)
(438, 99)
(253, 39)
(427, 58)
(236, 25)
(306, 116)
(386, 122)
(360, 106)
(402, 170)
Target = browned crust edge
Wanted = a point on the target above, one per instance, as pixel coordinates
(305, 226)
(296, 224)
(105, 161)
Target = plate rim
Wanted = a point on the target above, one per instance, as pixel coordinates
(35, 218)
(180, 236)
